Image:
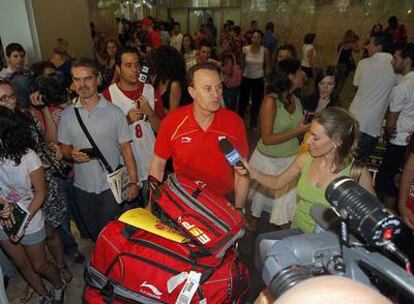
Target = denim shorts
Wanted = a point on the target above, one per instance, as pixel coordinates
(28, 239)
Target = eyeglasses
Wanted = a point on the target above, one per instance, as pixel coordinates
(6, 98)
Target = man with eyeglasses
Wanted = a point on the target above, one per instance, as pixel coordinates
(190, 135)
(142, 105)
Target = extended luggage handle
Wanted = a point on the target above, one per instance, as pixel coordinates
(200, 186)
(154, 189)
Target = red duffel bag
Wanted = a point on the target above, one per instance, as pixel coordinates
(130, 265)
(191, 207)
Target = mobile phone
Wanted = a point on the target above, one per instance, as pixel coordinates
(308, 118)
(91, 152)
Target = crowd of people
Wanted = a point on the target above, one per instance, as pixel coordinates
(157, 101)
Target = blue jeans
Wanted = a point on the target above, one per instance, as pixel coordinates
(70, 247)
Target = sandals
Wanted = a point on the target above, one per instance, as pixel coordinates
(65, 274)
(27, 294)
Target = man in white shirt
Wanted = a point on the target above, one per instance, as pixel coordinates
(176, 40)
(400, 123)
(374, 78)
(141, 104)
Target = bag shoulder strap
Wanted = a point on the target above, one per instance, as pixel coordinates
(92, 142)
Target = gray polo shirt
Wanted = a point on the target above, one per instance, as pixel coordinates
(108, 128)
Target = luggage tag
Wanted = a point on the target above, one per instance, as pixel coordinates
(176, 280)
(190, 288)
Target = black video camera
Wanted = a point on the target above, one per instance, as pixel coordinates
(52, 88)
(285, 258)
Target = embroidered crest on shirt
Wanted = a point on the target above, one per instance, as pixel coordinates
(186, 140)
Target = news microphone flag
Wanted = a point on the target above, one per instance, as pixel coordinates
(231, 154)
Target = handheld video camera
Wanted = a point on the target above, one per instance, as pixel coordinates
(365, 229)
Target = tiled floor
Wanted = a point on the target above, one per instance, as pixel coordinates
(73, 292)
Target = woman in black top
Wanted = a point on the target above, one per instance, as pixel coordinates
(325, 93)
(167, 70)
(345, 61)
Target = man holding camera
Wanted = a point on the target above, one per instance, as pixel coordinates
(142, 106)
(108, 128)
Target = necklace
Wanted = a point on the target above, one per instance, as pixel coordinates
(318, 185)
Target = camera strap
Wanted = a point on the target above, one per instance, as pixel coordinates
(92, 142)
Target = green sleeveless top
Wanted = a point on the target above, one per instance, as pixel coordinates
(308, 195)
(283, 121)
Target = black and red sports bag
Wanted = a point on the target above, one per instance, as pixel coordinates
(208, 219)
(130, 265)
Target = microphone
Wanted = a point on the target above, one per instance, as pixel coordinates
(231, 154)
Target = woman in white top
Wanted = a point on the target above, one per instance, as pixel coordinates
(308, 54)
(22, 182)
(256, 65)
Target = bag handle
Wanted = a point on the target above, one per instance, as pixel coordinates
(92, 142)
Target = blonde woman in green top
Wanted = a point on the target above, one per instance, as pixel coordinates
(332, 142)
(281, 123)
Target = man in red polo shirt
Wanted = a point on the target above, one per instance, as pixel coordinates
(190, 136)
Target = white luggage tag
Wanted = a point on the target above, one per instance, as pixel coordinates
(176, 280)
(190, 288)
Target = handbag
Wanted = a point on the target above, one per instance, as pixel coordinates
(118, 180)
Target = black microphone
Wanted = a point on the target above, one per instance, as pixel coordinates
(362, 211)
(231, 154)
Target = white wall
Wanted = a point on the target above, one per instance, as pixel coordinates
(36, 24)
(16, 25)
(68, 19)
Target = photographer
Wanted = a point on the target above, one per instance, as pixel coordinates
(334, 134)
(48, 102)
(330, 289)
